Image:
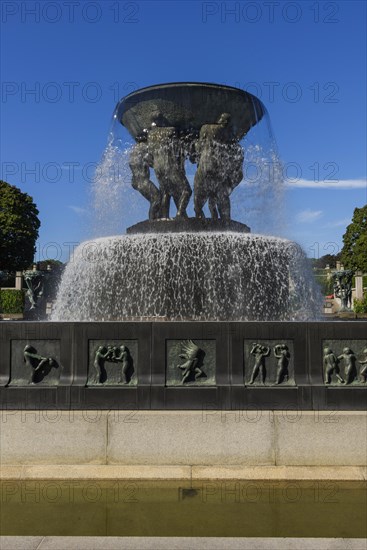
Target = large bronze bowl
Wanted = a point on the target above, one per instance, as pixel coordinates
(189, 105)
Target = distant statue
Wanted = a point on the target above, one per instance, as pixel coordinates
(168, 160)
(122, 355)
(331, 366)
(193, 355)
(350, 369)
(40, 366)
(140, 162)
(220, 159)
(260, 352)
(281, 352)
(35, 287)
(363, 372)
(342, 282)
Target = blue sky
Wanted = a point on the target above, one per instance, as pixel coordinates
(65, 64)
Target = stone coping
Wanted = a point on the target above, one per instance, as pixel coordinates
(181, 473)
(179, 543)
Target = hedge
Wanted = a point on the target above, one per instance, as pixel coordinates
(11, 301)
(360, 306)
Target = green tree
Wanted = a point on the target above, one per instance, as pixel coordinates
(328, 259)
(19, 226)
(354, 252)
(55, 265)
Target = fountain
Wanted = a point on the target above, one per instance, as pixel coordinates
(189, 307)
(188, 268)
(198, 345)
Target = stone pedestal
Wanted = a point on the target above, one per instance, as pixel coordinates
(187, 225)
(18, 280)
(359, 285)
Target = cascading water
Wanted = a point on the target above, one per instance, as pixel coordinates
(188, 272)
(258, 199)
(186, 276)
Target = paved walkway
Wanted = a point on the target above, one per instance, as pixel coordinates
(178, 543)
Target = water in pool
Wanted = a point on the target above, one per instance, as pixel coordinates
(197, 509)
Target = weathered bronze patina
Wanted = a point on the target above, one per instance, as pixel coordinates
(202, 123)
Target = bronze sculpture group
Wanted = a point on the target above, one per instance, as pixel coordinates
(192, 367)
(113, 354)
(39, 366)
(281, 352)
(215, 150)
(35, 286)
(349, 360)
(342, 283)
